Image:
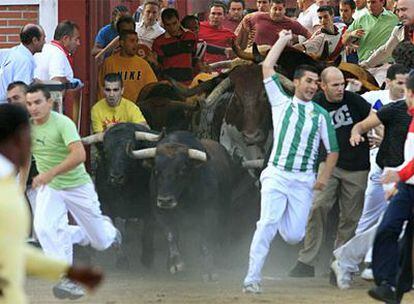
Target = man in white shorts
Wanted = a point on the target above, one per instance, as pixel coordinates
(64, 185)
(298, 125)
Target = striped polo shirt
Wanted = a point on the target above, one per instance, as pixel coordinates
(175, 54)
(298, 128)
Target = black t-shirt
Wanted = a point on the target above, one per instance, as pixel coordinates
(345, 115)
(396, 120)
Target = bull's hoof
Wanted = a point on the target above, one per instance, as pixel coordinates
(210, 277)
(122, 263)
(177, 267)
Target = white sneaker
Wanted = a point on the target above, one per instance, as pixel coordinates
(343, 278)
(367, 274)
(254, 288)
(66, 289)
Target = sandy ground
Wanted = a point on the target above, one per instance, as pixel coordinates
(138, 285)
(132, 288)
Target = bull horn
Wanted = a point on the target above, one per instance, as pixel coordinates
(139, 135)
(242, 54)
(93, 139)
(226, 64)
(287, 83)
(188, 92)
(218, 91)
(197, 155)
(253, 164)
(144, 153)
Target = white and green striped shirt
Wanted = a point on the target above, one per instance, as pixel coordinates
(298, 128)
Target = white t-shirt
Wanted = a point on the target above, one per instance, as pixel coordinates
(52, 62)
(309, 17)
(359, 12)
(378, 99)
(147, 34)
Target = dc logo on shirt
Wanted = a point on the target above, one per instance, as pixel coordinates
(341, 117)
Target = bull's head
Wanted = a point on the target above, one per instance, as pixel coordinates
(174, 166)
(117, 144)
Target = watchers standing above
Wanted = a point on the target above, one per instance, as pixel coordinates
(135, 71)
(175, 48)
(109, 32)
(55, 62)
(148, 28)
(328, 34)
(370, 32)
(346, 10)
(361, 8)
(19, 64)
(265, 27)
(235, 15)
(212, 31)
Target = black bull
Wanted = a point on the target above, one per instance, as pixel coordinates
(122, 183)
(190, 181)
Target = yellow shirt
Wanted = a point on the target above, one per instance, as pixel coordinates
(135, 73)
(17, 257)
(104, 115)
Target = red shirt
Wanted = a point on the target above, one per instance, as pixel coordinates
(407, 172)
(175, 54)
(215, 36)
(266, 30)
(230, 24)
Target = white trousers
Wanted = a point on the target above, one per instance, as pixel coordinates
(286, 199)
(31, 194)
(375, 203)
(352, 253)
(51, 224)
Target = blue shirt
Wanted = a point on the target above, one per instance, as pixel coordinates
(106, 35)
(17, 65)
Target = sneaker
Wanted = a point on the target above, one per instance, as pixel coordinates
(302, 270)
(384, 292)
(254, 288)
(66, 289)
(367, 273)
(343, 278)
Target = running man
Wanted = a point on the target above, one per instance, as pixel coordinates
(299, 125)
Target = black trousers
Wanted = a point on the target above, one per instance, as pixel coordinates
(392, 257)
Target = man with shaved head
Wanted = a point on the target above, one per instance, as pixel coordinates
(349, 178)
(405, 11)
(19, 64)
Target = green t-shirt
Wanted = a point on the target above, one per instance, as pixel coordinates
(377, 31)
(50, 148)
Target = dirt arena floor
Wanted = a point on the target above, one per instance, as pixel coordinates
(156, 286)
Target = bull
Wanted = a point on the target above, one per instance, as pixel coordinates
(122, 183)
(190, 181)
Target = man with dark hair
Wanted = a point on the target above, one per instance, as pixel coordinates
(110, 31)
(299, 125)
(346, 10)
(385, 258)
(175, 48)
(235, 14)
(265, 27)
(148, 28)
(329, 34)
(18, 258)
(18, 64)
(213, 32)
(64, 185)
(404, 54)
(114, 108)
(55, 62)
(134, 70)
(16, 92)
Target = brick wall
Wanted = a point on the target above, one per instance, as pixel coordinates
(12, 18)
